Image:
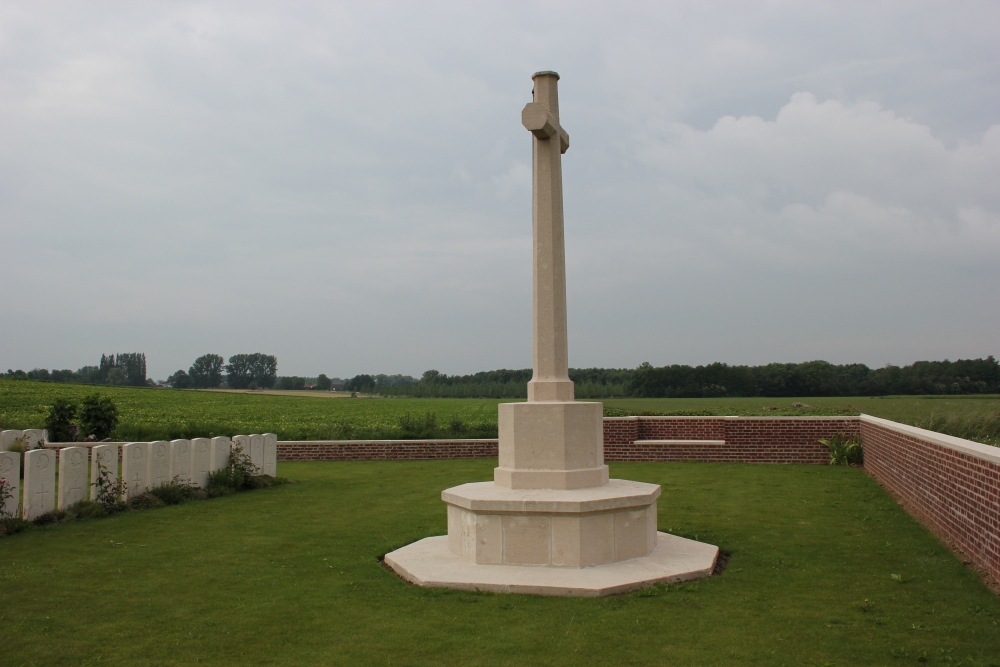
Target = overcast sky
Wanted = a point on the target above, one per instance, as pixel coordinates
(347, 186)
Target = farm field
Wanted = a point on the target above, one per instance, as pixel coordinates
(148, 414)
(825, 569)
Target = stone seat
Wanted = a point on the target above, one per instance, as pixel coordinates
(682, 443)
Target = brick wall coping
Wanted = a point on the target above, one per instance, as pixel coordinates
(729, 417)
(976, 449)
(415, 441)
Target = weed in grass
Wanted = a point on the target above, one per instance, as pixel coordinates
(844, 449)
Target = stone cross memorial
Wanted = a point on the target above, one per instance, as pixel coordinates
(551, 522)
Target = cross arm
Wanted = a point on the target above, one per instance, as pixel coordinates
(536, 118)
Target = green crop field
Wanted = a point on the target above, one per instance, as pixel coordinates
(825, 569)
(162, 413)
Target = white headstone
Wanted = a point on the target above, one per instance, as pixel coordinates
(74, 464)
(135, 468)
(201, 461)
(180, 461)
(106, 457)
(35, 437)
(159, 464)
(8, 437)
(10, 470)
(220, 453)
(257, 451)
(270, 454)
(241, 443)
(39, 483)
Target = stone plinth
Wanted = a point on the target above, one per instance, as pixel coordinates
(431, 563)
(553, 445)
(568, 528)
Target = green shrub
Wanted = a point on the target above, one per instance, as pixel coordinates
(85, 509)
(13, 525)
(457, 427)
(6, 493)
(416, 427)
(110, 489)
(240, 475)
(20, 445)
(145, 501)
(172, 493)
(59, 421)
(55, 516)
(844, 450)
(98, 416)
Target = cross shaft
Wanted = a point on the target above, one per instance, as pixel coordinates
(550, 379)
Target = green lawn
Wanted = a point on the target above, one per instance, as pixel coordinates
(290, 576)
(150, 414)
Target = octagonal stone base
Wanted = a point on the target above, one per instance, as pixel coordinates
(489, 524)
(432, 564)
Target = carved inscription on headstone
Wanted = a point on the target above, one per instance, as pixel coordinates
(103, 458)
(135, 468)
(201, 461)
(257, 451)
(8, 437)
(74, 466)
(39, 483)
(241, 443)
(159, 464)
(34, 437)
(220, 453)
(180, 461)
(10, 470)
(270, 466)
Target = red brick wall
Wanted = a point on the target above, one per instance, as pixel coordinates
(401, 450)
(747, 439)
(951, 485)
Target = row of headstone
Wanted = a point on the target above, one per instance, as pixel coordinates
(33, 438)
(144, 465)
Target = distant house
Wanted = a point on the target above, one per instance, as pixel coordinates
(309, 386)
(337, 386)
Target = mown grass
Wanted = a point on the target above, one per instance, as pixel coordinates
(149, 414)
(290, 576)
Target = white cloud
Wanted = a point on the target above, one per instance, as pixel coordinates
(348, 184)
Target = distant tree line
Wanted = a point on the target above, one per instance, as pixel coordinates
(244, 371)
(811, 378)
(128, 368)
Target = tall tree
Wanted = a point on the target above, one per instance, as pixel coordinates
(206, 371)
(259, 369)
